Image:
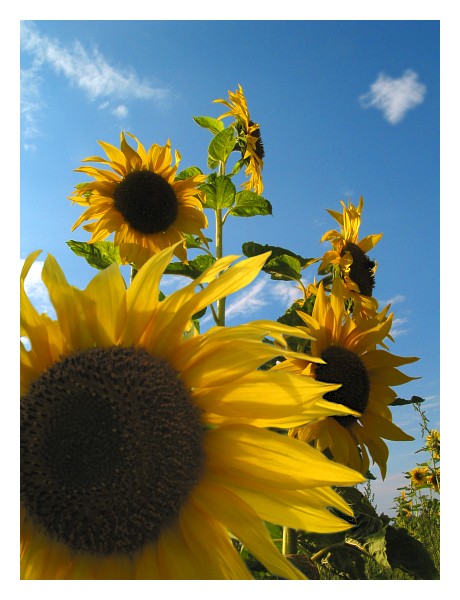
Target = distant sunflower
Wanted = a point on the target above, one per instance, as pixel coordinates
(249, 138)
(140, 200)
(434, 480)
(418, 476)
(125, 472)
(433, 443)
(349, 350)
(349, 254)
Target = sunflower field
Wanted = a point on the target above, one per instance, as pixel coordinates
(153, 447)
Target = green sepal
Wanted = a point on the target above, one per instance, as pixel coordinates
(250, 204)
(186, 173)
(214, 125)
(193, 241)
(193, 269)
(402, 402)
(220, 192)
(99, 255)
(220, 147)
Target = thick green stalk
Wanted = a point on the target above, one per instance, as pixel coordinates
(219, 250)
(289, 541)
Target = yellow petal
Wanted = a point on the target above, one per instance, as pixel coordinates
(105, 319)
(383, 427)
(246, 526)
(284, 400)
(66, 301)
(142, 296)
(298, 509)
(269, 458)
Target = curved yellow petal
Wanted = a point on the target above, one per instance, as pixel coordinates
(273, 459)
(246, 526)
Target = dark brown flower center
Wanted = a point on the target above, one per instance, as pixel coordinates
(260, 151)
(111, 448)
(146, 201)
(345, 367)
(361, 270)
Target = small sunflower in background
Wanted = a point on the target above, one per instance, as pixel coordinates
(418, 476)
(433, 443)
(143, 448)
(351, 356)
(349, 255)
(139, 199)
(249, 138)
(434, 480)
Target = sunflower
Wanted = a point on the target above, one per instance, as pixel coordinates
(418, 476)
(349, 256)
(249, 138)
(433, 443)
(434, 480)
(125, 471)
(349, 349)
(140, 200)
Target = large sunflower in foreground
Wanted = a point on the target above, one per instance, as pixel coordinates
(352, 358)
(349, 255)
(125, 471)
(249, 138)
(140, 200)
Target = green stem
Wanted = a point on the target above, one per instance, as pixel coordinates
(133, 273)
(289, 541)
(219, 251)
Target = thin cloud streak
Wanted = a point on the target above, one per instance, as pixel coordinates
(394, 97)
(249, 302)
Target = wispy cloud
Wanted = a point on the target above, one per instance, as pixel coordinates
(286, 292)
(394, 97)
(85, 69)
(398, 327)
(394, 300)
(249, 301)
(36, 289)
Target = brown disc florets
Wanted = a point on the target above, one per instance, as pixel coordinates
(111, 447)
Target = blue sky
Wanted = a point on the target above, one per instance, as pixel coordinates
(346, 108)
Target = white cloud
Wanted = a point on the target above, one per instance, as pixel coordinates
(36, 289)
(31, 104)
(394, 300)
(120, 111)
(85, 69)
(397, 328)
(285, 292)
(249, 301)
(394, 97)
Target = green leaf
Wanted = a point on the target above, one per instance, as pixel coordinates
(193, 269)
(254, 249)
(408, 554)
(238, 166)
(214, 125)
(220, 192)
(220, 147)
(402, 402)
(249, 204)
(189, 172)
(99, 255)
(291, 317)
